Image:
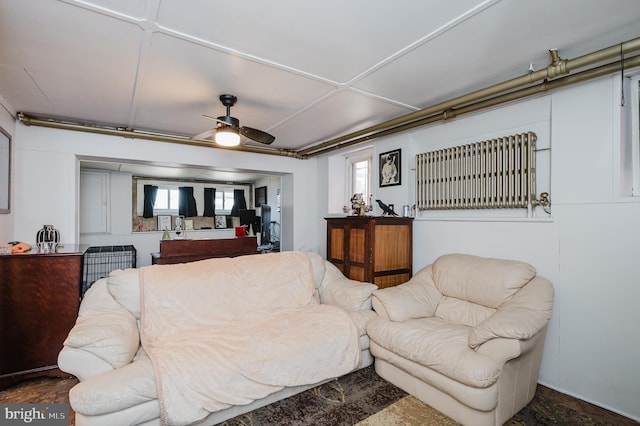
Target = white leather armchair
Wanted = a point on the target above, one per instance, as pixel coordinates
(465, 335)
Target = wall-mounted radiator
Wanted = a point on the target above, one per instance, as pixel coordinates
(498, 173)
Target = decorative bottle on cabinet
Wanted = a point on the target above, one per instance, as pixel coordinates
(378, 250)
(48, 234)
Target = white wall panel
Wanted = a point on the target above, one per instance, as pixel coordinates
(588, 248)
(7, 220)
(582, 128)
(48, 182)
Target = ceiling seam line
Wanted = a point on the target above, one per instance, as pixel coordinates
(442, 29)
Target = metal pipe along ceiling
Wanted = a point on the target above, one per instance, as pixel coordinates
(474, 101)
(450, 113)
(556, 68)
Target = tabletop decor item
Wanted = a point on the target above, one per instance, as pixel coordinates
(47, 238)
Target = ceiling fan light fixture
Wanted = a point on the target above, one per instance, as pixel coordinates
(227, 136)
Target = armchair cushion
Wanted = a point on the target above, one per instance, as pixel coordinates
(462, 312)
(485, 281)
(438, 345)
(417, 298)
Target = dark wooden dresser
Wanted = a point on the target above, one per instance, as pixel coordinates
(39, 301)
(372, 249)
(181, 251)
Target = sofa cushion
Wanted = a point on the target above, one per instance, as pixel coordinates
(485, 281)
(104, 328)
(317, 267)
(417, 298)
(462, 312)
(338, 290)
(125, 288)
(438, 345)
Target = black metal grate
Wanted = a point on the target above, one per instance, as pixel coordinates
(100, 260)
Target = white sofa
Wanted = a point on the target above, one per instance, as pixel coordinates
(465, 335)
(206, 341)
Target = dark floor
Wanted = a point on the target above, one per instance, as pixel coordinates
(549, 407)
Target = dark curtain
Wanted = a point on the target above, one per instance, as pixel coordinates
(186, 202)
(238, 202)
(150, 192)
(209, 202)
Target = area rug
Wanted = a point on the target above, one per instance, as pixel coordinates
(362, 398)
(344, 401)
(408, 411)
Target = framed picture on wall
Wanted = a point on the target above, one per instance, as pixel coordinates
(5, 171)
(261, 196)
(389, 168)
(221, 222)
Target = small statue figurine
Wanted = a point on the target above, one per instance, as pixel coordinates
(358, 205)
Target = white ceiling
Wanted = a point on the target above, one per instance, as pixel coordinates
(304, 71)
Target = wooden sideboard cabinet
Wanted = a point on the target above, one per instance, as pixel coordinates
(378, 250)
(181, 251)
(39, 301)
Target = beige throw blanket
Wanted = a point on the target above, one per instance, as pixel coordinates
(224, 332)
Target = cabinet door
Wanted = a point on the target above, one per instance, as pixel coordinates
(348, 248)
(392, 252)
(336, 242)
(39, 300)
(393, 247)
(358, 260)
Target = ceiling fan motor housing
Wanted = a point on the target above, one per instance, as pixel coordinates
(226, 121)
(229, 124)
(228, 100)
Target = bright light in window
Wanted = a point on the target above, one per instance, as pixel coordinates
(174, 199)
(361, 178)
(162, 199)
(166, 199)
(224, 200)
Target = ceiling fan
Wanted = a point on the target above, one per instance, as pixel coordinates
(228, 130)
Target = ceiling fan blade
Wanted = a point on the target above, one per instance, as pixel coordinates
(207, 134)
(210, 117)
(257, 135)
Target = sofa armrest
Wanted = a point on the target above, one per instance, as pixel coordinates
(503, 350)
(338, 290)
(82, 364)
(521, 317)
(508, 323)
(417, 298)
(103, 329)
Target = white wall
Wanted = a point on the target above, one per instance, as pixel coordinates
(6, 220)
(47, 178)
(589, 247)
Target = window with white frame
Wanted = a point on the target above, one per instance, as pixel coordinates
(224, 200)
(167, 196)
(166, 200)
(359, 172)
(630, 135)
(635, 131)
